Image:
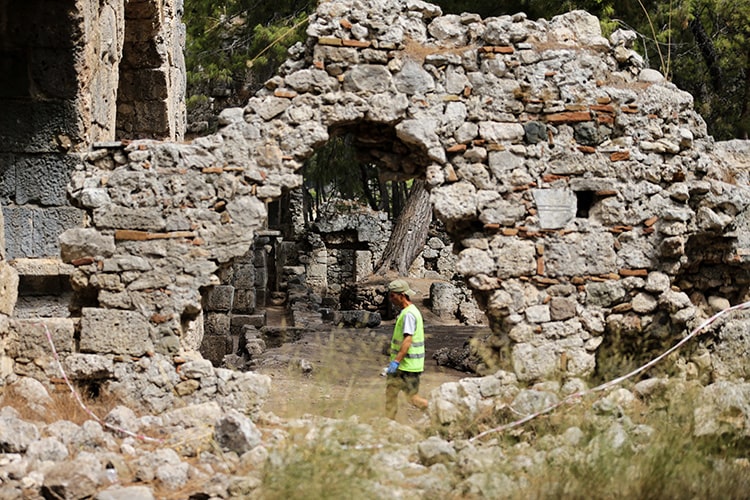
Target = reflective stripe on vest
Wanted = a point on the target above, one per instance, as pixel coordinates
(414, 359)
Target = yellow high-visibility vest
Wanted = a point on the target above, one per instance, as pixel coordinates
(414, 359)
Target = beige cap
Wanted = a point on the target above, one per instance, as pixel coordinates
(400, 286)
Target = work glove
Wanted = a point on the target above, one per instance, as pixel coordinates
(392, 367)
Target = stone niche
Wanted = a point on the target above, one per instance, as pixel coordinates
(577, 185)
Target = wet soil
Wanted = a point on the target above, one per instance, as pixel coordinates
(337, 372)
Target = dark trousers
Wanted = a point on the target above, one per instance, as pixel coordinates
(395, 383)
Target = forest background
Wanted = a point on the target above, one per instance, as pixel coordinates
(234, 46)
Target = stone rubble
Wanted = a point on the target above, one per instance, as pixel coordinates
(212, 450)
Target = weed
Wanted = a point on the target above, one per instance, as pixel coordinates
(318, 469)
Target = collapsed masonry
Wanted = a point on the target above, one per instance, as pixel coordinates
(581, 191)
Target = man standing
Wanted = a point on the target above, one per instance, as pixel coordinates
(407, 350)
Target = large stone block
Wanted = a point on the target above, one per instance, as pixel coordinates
(513, 257)
(215, 347)
(34, 232)
(39, 131)
(219, 298)
(8, 288)
(19, 232)
(144, 219)
(116, 332)
(85, 242)
(244, 276)
(580, 255)
(7, 178)
(31, 339)
(53, 72)
(42, 179)
(555, 207)
(444, 299)
(363, 264)
(244, 301)
(49, 224)
(216, 324)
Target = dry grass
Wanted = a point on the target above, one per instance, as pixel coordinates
(63, 405)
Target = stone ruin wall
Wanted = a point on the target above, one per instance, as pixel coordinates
(579, 189)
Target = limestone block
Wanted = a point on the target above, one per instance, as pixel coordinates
(555, 207)
(538, 314)
(42, 179)
(562, 308)
(8, 288)
(85, 242)
(534, 363)
(115, 332)
(219, 298)
(244, 276)
(80, 366)
(215, 347)
(729, 356)
(722, 409)
(244, 301)
(580, 255)
(192, 337)
(604, 294)
(657, 282)
(444, 299)
(387, 108)
(455, 202)
(116, 217)
(473, 261)
(31, 336)
(644, 303)
(362, 264)
(413, 79)
(513, 257)
(529, 401)
(495, 132)
(371, 78)
(217, 324)
(422, 133)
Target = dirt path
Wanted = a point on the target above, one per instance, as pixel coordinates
(344, 368)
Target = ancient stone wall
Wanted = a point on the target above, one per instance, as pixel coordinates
(73, 73)
(579, 188)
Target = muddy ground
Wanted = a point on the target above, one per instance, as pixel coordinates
(337, 372)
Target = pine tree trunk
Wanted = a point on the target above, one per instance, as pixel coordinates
(409, 234)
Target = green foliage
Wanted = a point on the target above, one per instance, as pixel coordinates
(667, 463)
(317, 469)
(334, 171)
(239, 43)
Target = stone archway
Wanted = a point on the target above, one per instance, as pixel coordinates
(560, 167)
